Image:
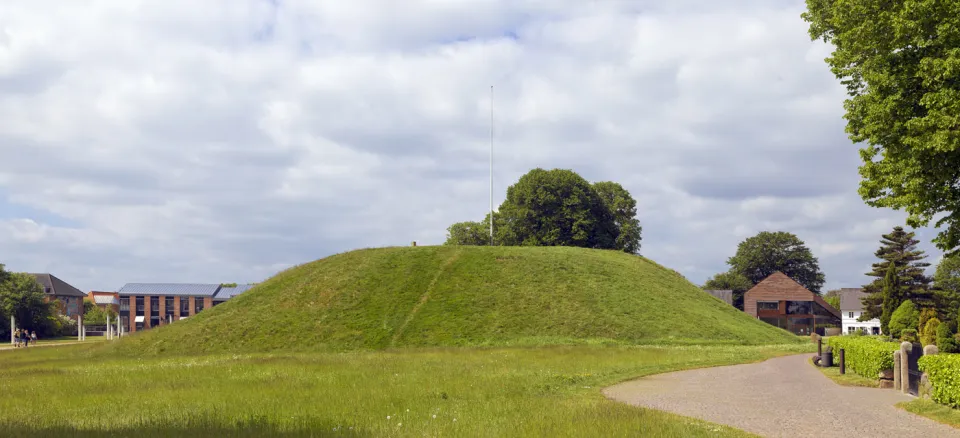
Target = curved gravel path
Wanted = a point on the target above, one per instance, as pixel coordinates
(782, 397)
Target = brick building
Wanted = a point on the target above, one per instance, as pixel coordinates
(105, 300)
(56, 289)
(146, 305)
(779, 300)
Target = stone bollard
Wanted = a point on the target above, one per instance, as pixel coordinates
(905, 349)
(896, 370)
(930, 349)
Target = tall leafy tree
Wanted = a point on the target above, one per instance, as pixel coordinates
(946, 285)
(624, 210)
(730, 281)
(898, 248)
(759, 256)
(22, 297)
(899, 62)
(557, 208)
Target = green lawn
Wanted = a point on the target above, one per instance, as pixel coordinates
(933, 411)
(546, 391)
(847, 379)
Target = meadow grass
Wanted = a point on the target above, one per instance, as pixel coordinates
(487, 392)
(461, 296)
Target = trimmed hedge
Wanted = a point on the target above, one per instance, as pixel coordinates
(866, 356)
(943, 370)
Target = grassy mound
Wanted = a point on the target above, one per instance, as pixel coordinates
(461, 296)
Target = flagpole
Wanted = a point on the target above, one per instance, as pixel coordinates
(491, 165)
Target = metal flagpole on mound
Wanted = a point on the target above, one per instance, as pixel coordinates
(491, 165)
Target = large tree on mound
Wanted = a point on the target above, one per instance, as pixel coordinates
(558, 208)
(733, 281)
(770, 251)
(900, 63)
(899, 249)
(624, 210)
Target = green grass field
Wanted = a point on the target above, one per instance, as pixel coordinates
(461, 296)
(544, 391)
(847, 379)
(933, 410)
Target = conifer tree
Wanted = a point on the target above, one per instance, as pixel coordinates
(890, 298)
(898, 249)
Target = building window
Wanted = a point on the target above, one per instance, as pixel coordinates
(169, 306)
(768, 305)
(799, 308)
(851, 329)
(125, 304)
(198, 305)
(155, 321)
(155, 305)
(184, 306)
(139, 306)
(850, 314)
(139, 326)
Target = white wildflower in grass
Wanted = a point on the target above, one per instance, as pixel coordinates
(388, 417)
(399, 424)
(434, 416)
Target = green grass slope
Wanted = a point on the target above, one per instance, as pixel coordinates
(460, 296)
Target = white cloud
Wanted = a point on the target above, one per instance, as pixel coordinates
(223, 140)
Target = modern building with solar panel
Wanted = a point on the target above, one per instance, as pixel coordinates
(146, 305)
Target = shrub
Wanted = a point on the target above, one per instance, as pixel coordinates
(929, 334)
(866, 356)
(905, 317)
(925, 315)
(909, 335)
(945, 340)
(943, 370)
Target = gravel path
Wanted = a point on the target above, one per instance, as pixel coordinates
(782, 397)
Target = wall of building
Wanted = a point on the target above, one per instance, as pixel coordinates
(850, 322)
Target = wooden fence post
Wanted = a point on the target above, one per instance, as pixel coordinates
(843, 363)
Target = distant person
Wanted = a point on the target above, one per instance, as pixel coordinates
(16, 338)
(33, 336)
(26, 338)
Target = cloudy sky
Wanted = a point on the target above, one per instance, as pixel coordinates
(225, 140)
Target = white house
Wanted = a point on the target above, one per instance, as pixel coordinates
(851, 308)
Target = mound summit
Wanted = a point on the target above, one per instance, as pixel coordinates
(461, 296)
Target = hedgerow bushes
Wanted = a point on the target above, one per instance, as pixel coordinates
(943, 370)
(865, 356)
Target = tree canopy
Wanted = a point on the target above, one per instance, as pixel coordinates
(900, 63)
(558, 208)
(759, 256)
(22, 297)
(899, 249)
(946, 285)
